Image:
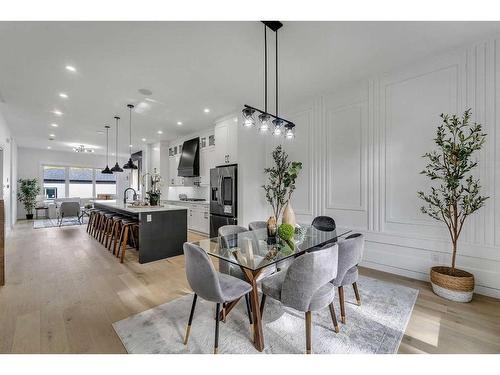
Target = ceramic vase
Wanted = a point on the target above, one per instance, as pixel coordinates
(289, 215)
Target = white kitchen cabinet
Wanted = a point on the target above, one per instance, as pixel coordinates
(226, 134)
(207, 162)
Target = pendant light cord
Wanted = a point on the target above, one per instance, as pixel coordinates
(276, 73)
(265, 68)
(116, 142)
(130, 129)
(107, 144)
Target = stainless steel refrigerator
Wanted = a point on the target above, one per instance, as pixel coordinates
(223, 197)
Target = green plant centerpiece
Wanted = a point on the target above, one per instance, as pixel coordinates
(286, 232)
(454, 196)
(29, 188)
(281, 182)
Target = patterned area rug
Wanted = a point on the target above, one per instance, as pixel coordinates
(377, 326)
(50, 223)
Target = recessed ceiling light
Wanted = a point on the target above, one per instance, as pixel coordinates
(71, 68)
(160, 132)
(143, 139)
(179, 123)
(57, 112)
(206, 110)
(130, 145)
(48, 147)
(54, 125)
(156, 149)
(52, 135)
(63, 95)
(100, 132)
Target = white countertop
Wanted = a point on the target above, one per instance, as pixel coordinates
(136, 210)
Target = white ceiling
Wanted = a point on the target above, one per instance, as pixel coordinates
(188, 66)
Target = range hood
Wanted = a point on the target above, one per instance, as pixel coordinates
(189, 164)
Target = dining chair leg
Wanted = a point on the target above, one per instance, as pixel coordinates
(342, 307)
(356, 292)
(216, 344)
(224, 312)
(249, 311)
(191, 314)
(334, 317)
(262, 303)
(308, 332)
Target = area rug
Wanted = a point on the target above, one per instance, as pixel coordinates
(377, 326)
(50, 223)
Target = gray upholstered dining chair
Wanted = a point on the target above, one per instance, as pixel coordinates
(324, 223)
(306, 286)
(350, 254)
(210, 285)
(69, 209)
(254, 225)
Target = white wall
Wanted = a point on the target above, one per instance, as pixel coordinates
(362, 146)
(8, 145)
(30, 162)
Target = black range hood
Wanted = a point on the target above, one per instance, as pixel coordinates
(189, 165)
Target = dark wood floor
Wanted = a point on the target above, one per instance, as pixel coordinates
(64, 290)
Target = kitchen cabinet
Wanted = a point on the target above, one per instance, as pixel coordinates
(198, 216)
(207, 162)
(226, 139)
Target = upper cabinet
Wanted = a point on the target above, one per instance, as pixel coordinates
(226, 141)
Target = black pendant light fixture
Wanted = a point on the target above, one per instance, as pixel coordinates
(107, 170)
(130, 164)
(267, 120)
(116, 168)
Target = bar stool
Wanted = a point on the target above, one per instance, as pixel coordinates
(102, 226)
(96, 222)
(128, 228)
(116, 227)
(109, 220)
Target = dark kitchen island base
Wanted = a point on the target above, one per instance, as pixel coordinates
(162, 230)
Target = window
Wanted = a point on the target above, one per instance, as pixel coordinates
(104, 183)
(81, 182)
(68, 182)
(54, 182)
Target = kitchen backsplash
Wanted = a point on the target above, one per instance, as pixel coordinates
(191, 192)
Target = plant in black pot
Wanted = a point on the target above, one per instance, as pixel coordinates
(155, 192)
(28, 190)
(454, 196)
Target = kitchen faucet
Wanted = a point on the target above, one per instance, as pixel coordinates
(125, 195)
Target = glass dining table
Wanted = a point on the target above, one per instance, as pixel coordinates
(254, 253)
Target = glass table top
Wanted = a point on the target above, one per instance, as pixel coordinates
(253, 250)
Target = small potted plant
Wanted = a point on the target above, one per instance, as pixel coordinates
(28, 191)
(455, 196)
(155, 192)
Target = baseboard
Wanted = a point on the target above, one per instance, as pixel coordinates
(479, 289)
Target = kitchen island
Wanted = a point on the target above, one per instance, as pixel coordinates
(162, 229)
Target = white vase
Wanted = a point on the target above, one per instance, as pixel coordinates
(289, 215)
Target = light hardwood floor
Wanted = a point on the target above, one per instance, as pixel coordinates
(64, 290)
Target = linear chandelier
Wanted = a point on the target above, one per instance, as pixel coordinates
(267, 120)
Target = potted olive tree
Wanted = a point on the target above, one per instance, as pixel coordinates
(281, 184)
(454, 197)
(28, 190)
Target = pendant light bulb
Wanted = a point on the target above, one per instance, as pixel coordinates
(265, 122)
(248, 119)
(290, 131)
(278, 127)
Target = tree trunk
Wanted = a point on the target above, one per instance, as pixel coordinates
(453, 256)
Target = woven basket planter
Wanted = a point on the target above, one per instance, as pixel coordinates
(458, 287)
